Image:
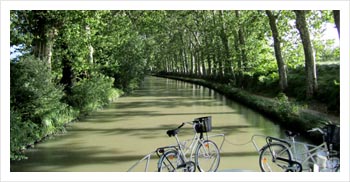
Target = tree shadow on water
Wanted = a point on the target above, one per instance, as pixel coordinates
(57, 159)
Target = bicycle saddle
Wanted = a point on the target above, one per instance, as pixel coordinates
(172, 132)
(291, 133)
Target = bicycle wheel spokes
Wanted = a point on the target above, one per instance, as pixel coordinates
(207, 156)
(270, 156)
(168, 162)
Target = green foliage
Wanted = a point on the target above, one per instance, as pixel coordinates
(328, 84)
(91, 93)
(32, 92)
(329, 81)
(285, 107)
(36, 109)
(21, 134)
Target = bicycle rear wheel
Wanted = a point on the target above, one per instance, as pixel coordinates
(270, 155)
(207, 156)
(168, 162)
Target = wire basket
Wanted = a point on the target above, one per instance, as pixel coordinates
(333, 134)
(203, 124)
(332, 137)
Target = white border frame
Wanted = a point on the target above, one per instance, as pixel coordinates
(6, 6)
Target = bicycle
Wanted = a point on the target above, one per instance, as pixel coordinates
(204, 153)
(281, 155)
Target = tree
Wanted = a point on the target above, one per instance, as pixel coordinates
(35, 30)
(310, 65)
(282, 72)
(242, 62)
(336, 16)
(224, 39)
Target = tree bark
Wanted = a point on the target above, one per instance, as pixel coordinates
(310, 65)
(67, 71)
(209, 70)
(184, 55)
(204, 70)
(220, 69)
(91, 49)
(336, 16)
(282, 71)
(43, 38)
(224, 40)
(241, 43)
(193, 67)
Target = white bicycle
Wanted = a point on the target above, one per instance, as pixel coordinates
(280, 155)
(201, 153)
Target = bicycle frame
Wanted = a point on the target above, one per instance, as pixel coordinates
(191, 148)
(147, 158)
(314, 157)
(184, 151)
(311, 150)
(186, 154)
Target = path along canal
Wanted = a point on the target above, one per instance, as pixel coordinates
(114, 138)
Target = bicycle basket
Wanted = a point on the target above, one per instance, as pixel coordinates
(332, 134)
(203, 125)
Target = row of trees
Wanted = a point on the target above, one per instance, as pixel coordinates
(231, 45)
(70, 61)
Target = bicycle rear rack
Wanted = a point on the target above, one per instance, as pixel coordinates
(256, 146)
(147, 158)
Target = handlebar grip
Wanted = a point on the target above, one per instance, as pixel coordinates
(181, 125)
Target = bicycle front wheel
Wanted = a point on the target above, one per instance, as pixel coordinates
(274, 157)
(207, 156)
(168, 162)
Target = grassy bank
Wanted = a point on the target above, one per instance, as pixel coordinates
(282, 111)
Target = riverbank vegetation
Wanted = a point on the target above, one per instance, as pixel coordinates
(288, 114)
(68, 63)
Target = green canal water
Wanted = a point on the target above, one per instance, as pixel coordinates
(114, 138)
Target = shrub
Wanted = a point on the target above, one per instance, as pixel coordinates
(91, 93)
(21, 134)
(36, 109)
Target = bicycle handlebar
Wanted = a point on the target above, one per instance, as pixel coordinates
(316, 129)
(189, 122)
(181, 125)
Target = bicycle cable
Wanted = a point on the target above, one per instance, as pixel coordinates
(225, 140)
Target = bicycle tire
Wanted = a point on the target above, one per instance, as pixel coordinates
(335, 164)
(337, 169)
(168, 161)
(207, 156)
(268, 164)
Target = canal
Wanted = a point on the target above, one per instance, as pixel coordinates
(114, 138)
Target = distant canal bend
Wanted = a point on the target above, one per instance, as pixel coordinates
(114, 138)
